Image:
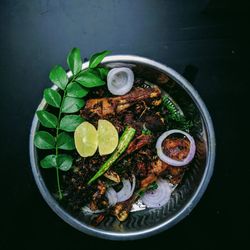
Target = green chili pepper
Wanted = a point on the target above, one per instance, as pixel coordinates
(125, 139)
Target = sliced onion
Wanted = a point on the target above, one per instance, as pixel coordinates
(169, 160)
(112, 196)
(120, 80)
(124, 194)
(126, 191)
(158, 197)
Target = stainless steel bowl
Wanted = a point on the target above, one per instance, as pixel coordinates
(150, 221)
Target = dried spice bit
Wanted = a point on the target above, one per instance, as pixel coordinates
(113, 176)
(129, 118)
(139, 82)
(153, 121)
(116, 121)
(78, 195)
(141, 170)
(98, 219)
(100, 92)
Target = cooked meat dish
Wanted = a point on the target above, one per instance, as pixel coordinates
(117, 142)
(142, 109)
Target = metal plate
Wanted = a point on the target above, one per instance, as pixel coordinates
(149, 221)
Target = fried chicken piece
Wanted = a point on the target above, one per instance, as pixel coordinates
(121, 209)
(157, 167)
(139, 142)
(176, 148)
(103, 107)
(98, 200)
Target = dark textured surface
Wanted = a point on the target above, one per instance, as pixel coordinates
(206, 40)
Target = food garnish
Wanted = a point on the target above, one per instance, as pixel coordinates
(86, 139)
(124, 141)
(182, 162)
(124, 194)
(107, 137)
(67, 101)
(120, 80)
(159, 196)
(148, 136)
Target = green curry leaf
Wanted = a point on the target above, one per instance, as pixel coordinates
(70, 122)
(97, 58)
(64, 162)
(65, 141)
(89, 79)
(58, 76)
(76, 90)
(74, 61)
(49, 161)
(72, 104)
(47, 119)
(52, 97)
(44, 140)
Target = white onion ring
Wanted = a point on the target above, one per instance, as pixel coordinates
(124, 194)
(169, 160)
(120, 80)
(158, 197)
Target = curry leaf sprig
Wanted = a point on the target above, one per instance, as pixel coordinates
(68, 100)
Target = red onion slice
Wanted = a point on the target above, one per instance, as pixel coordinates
(158, 197)
(112, 196)
(120, 80)
(126, 191)
(169, 160)
(124, 194)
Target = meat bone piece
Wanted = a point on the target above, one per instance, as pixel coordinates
(102, 107)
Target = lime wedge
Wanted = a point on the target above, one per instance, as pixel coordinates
(107, 137)
(86, 139)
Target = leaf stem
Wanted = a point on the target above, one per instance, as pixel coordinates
(57, 133)
(58, 184)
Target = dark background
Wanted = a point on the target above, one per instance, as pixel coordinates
(208, 40)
